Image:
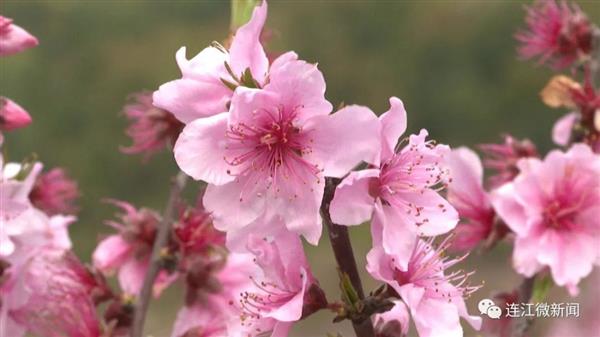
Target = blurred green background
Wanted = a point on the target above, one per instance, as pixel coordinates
(453, 64)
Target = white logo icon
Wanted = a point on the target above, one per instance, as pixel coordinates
(487, 307)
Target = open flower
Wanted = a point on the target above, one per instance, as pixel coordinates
(25, 227)
(152, 129)
(50, 294)
(130, 250)
(274, 148)
(553, 207)
(54, 192)
(400, 193)
(435, 299)
(12, 116)
(206, 84)
(558, 33)
(281, 280)
(466, 194)
(14, 39)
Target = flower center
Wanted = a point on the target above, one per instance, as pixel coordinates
(268, 296)
(426, 270)
(271, 144)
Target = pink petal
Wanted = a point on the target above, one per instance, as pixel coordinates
(189, 99)
(440, 215)
(398, 238)
(352, 204)
(282, 329)
(570, 255)
(246, 50)
(512, 212)
(200, 150)
(59, 232)
(525, 254)
(247, 101)
(230, 208)
(446, 322)
(298, 205)
(300, 85)
(131, 275)
(207, 66)
(465, 191)
(393, 125)
(561, 132)
(111, 253)
(337, 147)
(380, 264)
(291, 311)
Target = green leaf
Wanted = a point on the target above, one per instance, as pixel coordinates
(541, 286)
(241, 12)
(349, 294)
(248, 80)
(228, 84)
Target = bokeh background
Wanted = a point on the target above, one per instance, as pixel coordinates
(453, 63)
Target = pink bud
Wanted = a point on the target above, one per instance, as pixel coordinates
(14, 39)
(54, 192)
(12, 116)
(151, 129)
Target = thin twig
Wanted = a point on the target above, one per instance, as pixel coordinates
(162, 238)
(344, 255)
(525, 293)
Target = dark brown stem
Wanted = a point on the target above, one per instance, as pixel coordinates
(525, 293)
(344, 255)
(162, 239)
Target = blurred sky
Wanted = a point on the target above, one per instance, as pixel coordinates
(453, 64)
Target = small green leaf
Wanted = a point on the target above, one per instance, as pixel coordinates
(229, 85)
(349, 294)
(248, 80)
(541, 287)
(241, 12)
(26, 166)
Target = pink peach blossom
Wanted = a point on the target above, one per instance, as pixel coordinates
(553, 207)
(435, 300)
(151, 129)
(281, 279)
(23, 226)
(557, 33)
(50, 294)
(54, 192)
(400, 193)
(12, 115)
(14, 39)
(202, 90)
(130, 250)
(467, 195)
(274, 148)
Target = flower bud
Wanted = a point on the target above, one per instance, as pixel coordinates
(12, 116)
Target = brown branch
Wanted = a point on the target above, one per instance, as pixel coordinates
(525, 293)
(344, 255)
(162, 239)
